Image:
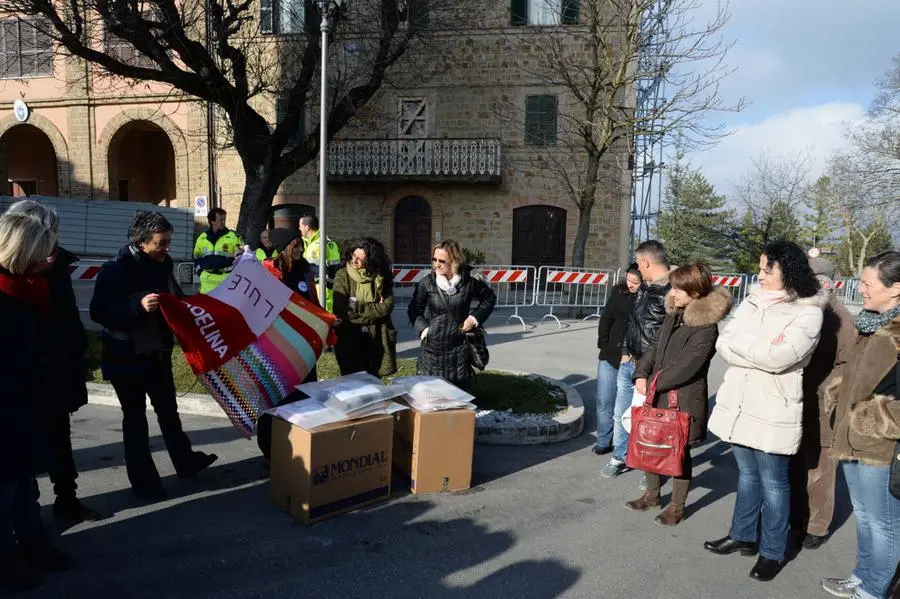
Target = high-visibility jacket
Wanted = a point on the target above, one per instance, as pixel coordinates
(214, 257)
(332, 264)
(262, 256)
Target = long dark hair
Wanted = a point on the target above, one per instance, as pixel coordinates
(377, 261)
(797, 276)
(285, 260)
(631, 270)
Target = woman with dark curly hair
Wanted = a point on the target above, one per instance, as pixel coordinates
(364, 300)
(759, 406)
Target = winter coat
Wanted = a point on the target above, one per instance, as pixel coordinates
(682, 354)
(130, 334)
(834, 349)
(613, 324)
(367, 339)
(444, 351)
(24, 370)
(863, 397)
(760, 402)
(68, 390)
(646, 317)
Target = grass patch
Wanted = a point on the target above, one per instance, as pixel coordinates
(493, 390)
(502, 391)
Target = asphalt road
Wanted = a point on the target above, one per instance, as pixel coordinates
(538, 521)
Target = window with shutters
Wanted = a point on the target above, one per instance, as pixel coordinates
(124, 51)
(412, 119)
(27, 51)
(540, 120)
(544, 12)
(297, 137)
(284, 16)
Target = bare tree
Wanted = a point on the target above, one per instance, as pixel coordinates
(598, 59)
(241, 56)
(774, 192)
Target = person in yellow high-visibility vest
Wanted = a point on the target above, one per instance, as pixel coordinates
(309, 229)
(215, 250)
(265, 250)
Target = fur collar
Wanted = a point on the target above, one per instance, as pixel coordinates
(704, 311)
(891, 331)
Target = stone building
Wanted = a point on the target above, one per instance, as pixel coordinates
(449, 158)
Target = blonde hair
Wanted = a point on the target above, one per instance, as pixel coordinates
(24, 242)
(46, 214)
(452, 249)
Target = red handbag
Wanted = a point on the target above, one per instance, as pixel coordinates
(659, 436)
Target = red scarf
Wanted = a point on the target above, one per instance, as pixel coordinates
(32, 290)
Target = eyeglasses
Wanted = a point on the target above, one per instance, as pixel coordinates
(438, 260)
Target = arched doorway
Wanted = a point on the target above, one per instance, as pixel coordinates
(412, 231)
(287, 216)
(28, 160)
(141, 164)
(539, 236)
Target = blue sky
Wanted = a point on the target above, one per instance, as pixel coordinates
(808, 69)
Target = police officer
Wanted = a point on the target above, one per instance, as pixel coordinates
(215, 251)
(266, 249)
(309, 228)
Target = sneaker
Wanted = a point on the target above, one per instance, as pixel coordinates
(613, 469)
(811, 541)
(840, 587)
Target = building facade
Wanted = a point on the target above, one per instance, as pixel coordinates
(456, 156)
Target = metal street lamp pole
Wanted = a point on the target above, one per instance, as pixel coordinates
(326, 7)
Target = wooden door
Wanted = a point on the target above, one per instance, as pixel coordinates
(539, 236)
(412, 231)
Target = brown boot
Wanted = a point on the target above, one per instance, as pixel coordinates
(674, 512)
(649, 499)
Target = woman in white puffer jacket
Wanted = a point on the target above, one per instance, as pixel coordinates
(759, 406)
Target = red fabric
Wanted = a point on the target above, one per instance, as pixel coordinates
(32, 290)
(269, 263)
(659, 436)
(209, 331)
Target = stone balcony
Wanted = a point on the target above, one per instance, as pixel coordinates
(402, 160)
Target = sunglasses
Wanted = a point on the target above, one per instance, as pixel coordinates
(438, 260)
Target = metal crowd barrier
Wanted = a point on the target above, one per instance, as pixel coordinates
(734, 283)
(405, 278)
(570, 287)
(514, 286)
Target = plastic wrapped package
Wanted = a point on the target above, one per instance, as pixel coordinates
(352, 393)
(431, 393)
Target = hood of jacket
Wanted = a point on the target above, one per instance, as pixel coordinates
(704, 311)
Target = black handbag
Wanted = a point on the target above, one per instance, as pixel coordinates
(477, 348)
(894, 483)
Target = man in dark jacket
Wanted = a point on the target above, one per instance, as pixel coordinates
(67, 391)
(137, 357)
(647, 317)
(813, 470)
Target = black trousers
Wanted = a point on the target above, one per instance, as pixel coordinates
(62, 468)
(154, 380)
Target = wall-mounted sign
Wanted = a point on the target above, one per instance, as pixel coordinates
(201, 206)
(21, 110)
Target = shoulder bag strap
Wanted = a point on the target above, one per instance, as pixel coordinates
(672, 396)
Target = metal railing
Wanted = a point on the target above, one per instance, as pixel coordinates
(570, 287)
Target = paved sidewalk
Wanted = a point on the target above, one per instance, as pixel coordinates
(538, 523)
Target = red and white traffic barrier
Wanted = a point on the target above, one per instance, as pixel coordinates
(505, 275)
(84, 272)
(568, 277)
(727, 280)
(409, 275)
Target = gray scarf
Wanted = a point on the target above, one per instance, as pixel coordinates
(868, 322)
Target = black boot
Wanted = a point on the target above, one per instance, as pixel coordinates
(813, 541)
(765, 569)
(46, 557)
(70, 509)
(728, 545)
(198, 463)
(17, 573)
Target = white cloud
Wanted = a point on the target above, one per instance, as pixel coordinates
(815, 130)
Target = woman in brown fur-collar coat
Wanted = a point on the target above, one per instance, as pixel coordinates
(863, 397)
(681, 356)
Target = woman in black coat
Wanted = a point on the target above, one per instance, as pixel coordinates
(610, 334)
(681, 356)
(446, 296)
(26, 252)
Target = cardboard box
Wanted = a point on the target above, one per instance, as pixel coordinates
(434, 449)
(331, 469)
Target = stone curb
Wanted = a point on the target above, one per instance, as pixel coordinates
(196, 404)
(493, 428)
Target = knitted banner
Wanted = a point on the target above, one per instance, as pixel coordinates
(248, 372)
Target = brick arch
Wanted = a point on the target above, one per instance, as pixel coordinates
(389, 207)
(60, 147)
(176, 138)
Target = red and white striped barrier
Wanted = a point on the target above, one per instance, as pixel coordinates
(727, 280)
(84, 272)
(569, 277)
(409, 275)
(516, 275)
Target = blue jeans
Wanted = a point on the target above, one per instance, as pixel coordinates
(624, 393)
(606, 402)
(763, 488)
(20, 516)
(877, 526)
